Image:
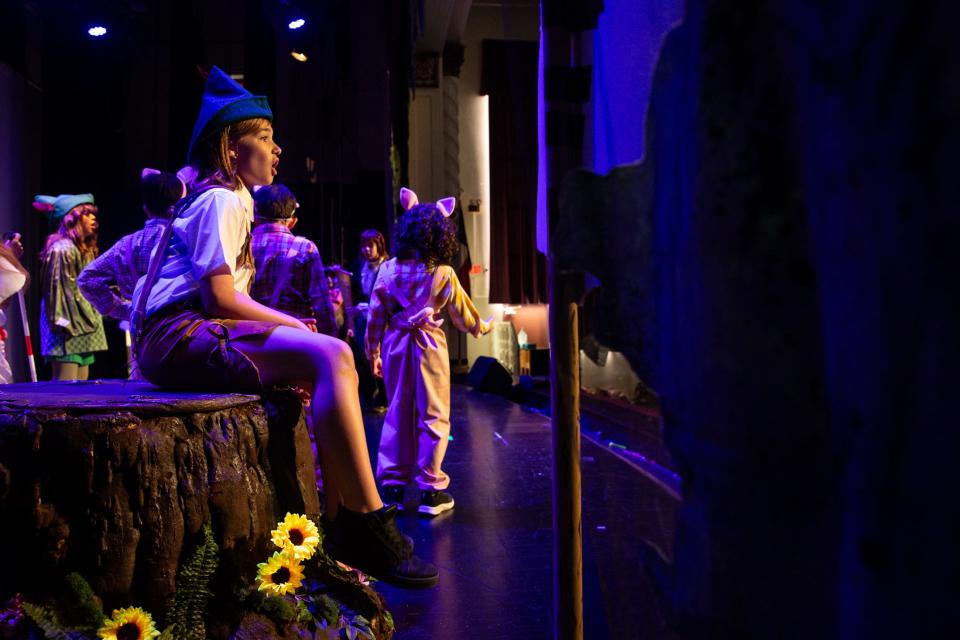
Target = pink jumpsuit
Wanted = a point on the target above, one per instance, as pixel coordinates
(404, 314)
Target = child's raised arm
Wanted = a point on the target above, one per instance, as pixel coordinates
(463, 313)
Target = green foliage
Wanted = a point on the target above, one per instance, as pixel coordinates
(46, 619)
(326, 608)
(274, 607)
(304, 615)
(185, 616)
(83, 606)
(358, 627)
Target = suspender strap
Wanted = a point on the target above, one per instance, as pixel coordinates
(138, 314)
(395, 292)
(418, 318)
(401, 299)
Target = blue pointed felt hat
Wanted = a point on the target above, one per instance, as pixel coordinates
(56, 207)
(225, 102)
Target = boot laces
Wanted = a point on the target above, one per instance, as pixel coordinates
(395, 539)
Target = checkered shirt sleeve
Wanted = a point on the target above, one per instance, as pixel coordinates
(280, 254)
(108, 282)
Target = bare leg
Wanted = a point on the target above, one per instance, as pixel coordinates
(330, 488)
(83, 373)
(65, 370)
(368, 541)
(325, 366)
(333, 497)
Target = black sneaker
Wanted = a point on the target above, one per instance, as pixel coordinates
(394, 494)
(372, 543)
(434, 503)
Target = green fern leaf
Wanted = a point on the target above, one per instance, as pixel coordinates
(185, 618)
(48, 622)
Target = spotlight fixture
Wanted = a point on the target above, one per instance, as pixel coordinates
(298, 56)
(97, 31)
(296, 24)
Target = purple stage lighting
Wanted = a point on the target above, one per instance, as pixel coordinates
(97, 31)
(296, 24)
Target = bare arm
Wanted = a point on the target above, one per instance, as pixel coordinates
(221, 300)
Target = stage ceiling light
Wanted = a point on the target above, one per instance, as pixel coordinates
(97, 31)
(296, 24)
(298, 56)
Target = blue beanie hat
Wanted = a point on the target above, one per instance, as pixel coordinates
(57, 207)
(225, 102)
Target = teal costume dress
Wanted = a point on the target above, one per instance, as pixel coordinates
(71, 330)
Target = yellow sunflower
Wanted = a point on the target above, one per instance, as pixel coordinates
(280, 574)
(132, 623)
(298, 535)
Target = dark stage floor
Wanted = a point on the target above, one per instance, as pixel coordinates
(494, 549)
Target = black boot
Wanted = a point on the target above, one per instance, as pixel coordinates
(333, 536)
(372, 543)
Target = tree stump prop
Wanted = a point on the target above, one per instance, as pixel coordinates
(115, 480)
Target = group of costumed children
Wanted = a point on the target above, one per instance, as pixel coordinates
(202, 321)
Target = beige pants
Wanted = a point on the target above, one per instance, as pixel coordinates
(416, 428)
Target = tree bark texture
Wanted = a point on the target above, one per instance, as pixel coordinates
(120, 496)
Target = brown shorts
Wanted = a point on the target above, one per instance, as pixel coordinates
(183, 349)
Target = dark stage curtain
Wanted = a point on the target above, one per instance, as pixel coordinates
(517, 269)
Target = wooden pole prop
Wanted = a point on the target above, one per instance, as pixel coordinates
(563, 153)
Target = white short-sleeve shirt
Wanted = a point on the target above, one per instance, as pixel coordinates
(212, 232)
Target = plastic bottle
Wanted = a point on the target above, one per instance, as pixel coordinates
(522, 339)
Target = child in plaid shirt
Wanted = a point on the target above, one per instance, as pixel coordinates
(289, 271)
(108, 282)
(410, 292)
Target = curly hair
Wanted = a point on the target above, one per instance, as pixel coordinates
(424, 234)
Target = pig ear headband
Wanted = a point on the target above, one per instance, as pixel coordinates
(147, 171)
(187, 175)
(408, 198)
(446, 206)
